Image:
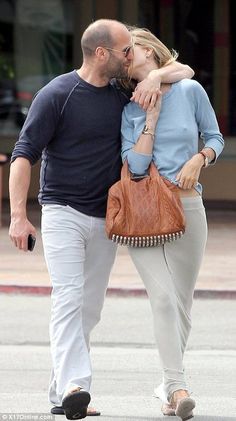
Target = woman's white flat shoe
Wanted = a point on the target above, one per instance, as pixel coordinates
(167, 409)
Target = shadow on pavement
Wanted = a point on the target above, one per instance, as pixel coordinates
(195, 418)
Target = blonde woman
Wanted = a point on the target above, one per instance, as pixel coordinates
(169, 136)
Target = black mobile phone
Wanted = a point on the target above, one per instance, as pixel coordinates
(31, 242)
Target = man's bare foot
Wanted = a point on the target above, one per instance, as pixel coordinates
(92, 412)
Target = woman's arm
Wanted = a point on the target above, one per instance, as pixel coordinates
(139, 154)
(145, 142)
(212, 138)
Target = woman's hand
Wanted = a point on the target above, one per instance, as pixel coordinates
(188, 176)
(152, 115)
(146, 140)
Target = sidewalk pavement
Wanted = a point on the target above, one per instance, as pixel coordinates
(126, 365)
(26, 272)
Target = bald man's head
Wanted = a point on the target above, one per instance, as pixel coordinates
(100, 33)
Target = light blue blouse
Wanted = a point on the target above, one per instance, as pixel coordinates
(185, 112)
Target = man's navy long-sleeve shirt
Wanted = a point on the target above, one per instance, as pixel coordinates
(75, 127)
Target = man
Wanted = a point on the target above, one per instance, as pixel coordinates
(3, 159)
(74, 122)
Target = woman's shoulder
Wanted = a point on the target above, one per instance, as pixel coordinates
(190, 89)
(190, 85)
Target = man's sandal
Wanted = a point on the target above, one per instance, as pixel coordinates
(91, 412)
(75, 404)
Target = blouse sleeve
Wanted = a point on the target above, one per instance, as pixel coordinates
(207, 123)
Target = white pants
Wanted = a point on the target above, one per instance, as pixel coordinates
(79, 258)
(169, 274)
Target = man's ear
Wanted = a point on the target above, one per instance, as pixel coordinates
(101, 53)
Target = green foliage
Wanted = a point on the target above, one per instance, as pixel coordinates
(6, 63)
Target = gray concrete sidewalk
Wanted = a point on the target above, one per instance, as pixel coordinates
(126, 366)
(26, 272)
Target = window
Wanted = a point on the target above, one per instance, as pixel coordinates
(35, 46)
(232, 87)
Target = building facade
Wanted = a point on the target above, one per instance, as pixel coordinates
(39, 40)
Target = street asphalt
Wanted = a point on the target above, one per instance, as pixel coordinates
(124, 357)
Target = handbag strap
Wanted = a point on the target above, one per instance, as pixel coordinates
(125, 172)
(153, 171)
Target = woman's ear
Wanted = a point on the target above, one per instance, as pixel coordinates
(149, 52)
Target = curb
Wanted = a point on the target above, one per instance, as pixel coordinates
(117, 291)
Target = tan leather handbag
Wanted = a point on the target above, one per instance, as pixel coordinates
(144, 212)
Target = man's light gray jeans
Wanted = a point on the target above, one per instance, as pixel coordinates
(79, 258)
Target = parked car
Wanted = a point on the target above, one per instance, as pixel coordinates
(16, 96)
(10, 107)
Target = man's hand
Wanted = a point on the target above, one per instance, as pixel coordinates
(146, 93)
(19, 231)
(188, 176)
(19, 180)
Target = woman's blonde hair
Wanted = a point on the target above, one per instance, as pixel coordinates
(162, 55)
(143, 37)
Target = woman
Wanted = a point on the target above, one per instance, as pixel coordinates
(169, 136)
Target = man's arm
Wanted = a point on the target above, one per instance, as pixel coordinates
(20, 227)
(172, 72)
(147, 91)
